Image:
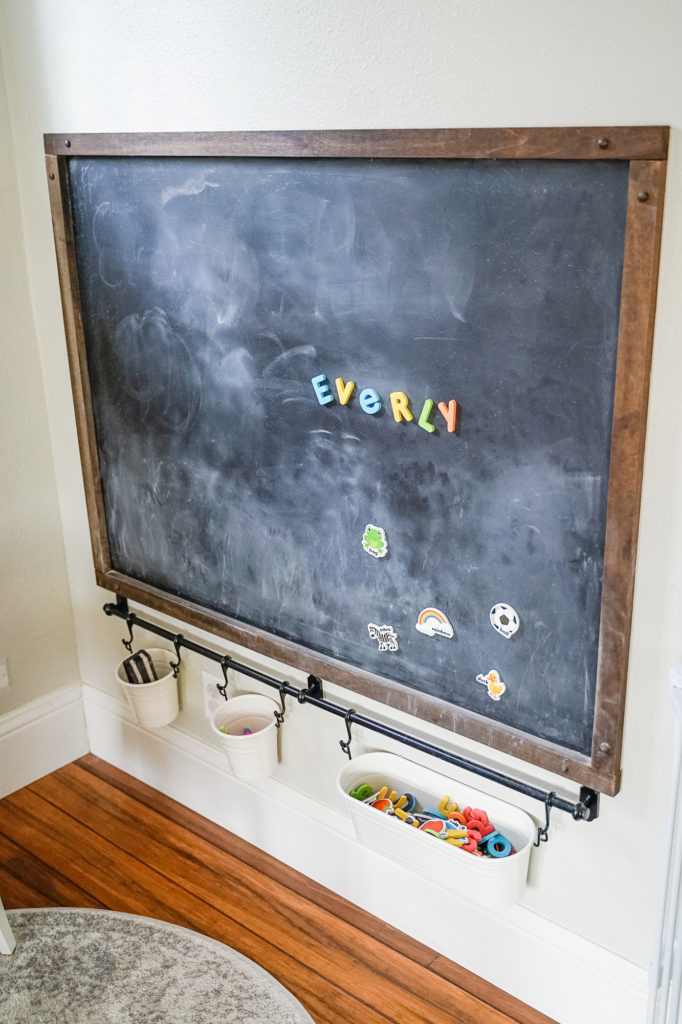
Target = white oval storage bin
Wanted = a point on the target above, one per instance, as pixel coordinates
(153, 704)
(492, 882)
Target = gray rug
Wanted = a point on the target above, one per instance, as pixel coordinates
(98, 967)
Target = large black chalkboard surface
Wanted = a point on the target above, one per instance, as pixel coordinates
(353, 403)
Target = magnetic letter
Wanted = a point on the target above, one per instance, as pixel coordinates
(400, 408)
(344, 391)
(424, 417)
(449, 413)
(321, 385)
(370, 401)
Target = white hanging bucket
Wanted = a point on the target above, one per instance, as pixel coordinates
(495, 883)
(252, 754)
(156, 703)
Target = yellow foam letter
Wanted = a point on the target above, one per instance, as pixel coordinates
(344, 391)
(400, 408)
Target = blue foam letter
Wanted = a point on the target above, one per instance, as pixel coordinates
(321, 385)
(370, 401)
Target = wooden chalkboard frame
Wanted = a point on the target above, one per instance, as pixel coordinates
(645, 148)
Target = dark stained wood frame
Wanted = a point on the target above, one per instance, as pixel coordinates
(646, 150)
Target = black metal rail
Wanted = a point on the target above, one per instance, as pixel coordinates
(585, 809)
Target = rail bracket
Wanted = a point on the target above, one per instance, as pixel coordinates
(587, 808)
(314, 689)
(120, 608)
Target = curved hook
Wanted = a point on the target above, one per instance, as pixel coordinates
(222, 688)
(128, 644)
(175, 665)
(279, 715)
(543, 832)
(345, 744)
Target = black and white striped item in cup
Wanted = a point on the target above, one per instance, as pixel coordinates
(139, 668)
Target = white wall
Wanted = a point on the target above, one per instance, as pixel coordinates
(119, 65)
(36, 624)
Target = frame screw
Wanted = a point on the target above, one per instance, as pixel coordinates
(67, 143)
(642, 196)
(51, 175)
(603, 143)
(605, 748)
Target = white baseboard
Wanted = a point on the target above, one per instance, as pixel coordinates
(558, 972)
(40, 737)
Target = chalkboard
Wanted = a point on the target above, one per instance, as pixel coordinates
(228, 303)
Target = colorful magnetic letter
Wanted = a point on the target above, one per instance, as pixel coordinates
(498, 846)
(370, 401)
(321, 385)
(401, 409)
(344, 389)
(433, 622)
(362, 792)
(374, 541)
(386, 636)
(495, 685)
(504, 619)
(449, 413)
(424, 416)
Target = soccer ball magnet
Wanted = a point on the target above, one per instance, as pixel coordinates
(504, 619)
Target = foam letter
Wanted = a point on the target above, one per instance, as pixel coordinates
(400, 409)
(449, 413)
(321, 385)
(370, 401)
(344, 391)
(424, 417)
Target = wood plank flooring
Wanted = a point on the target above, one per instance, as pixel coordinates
(90, 836)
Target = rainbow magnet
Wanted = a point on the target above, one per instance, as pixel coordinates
(374, 541)
(434, 622)
(494, 683)
(386, 636)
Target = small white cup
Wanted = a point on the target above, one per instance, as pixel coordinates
(254, 755)
(153, 704)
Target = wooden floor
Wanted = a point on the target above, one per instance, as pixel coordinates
(91, 836)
